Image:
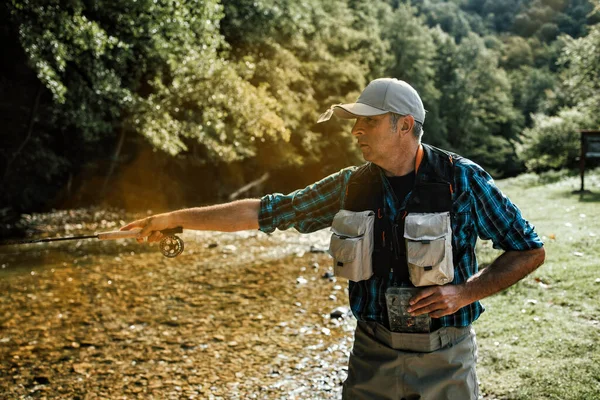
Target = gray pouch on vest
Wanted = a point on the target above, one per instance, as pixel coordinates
(351, 244)
(429, 248)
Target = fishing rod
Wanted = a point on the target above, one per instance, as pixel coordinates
(170, 246)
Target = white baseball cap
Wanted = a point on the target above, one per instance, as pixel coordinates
(381, 96)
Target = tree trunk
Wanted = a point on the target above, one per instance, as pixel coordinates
(113, 161)
(249, 186)
(32, 117)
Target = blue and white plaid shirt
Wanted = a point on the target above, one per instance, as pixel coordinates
(479, 210)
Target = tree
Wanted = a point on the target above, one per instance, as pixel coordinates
(308, 55)
(553, 142)
(478, 111)
(449, 16)
(581, 75)
(532, 90)
(516, 53)
(98, 63)
(414, 51)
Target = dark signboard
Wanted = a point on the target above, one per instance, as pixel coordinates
(591, 145)
(590, 148)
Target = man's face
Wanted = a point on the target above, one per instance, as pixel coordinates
(376, 138)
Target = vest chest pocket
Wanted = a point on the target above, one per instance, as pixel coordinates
(351, 244)
(429, 248)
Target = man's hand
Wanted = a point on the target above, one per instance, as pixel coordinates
(438, 301)
(151, 227)
(506, 270)
(236, 216)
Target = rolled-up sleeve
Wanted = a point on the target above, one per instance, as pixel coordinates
(496, 217)
(306, 210)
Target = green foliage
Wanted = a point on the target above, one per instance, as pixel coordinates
(99, 61)
(516, 53)
(480, 118)
(94, 58)
(450, 18)
(478, 111)
(553, 141)
(209, 104)
(307, 55)
(542, 18)
(414, 49)
(581, 76)
(238, 85)
(532, 90)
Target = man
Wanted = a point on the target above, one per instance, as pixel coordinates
(405, 222)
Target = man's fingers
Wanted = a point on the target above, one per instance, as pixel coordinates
(435, 308)
(425, 309)
(422, 294)
(147, 228)
(145, 225)
(150, 228)
(155, 236)
(422, 299)
(424, 304)
(135, 224)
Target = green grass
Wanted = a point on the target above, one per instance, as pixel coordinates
(540, 339)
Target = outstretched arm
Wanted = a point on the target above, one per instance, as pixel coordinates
(229, 217)
(505, 271)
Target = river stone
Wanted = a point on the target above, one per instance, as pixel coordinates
(339, 312)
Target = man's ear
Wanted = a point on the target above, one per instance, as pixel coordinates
(408, 122)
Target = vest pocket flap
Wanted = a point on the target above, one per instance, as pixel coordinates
(426, 253)
(426, 227)
(344, 249)
(352, 224)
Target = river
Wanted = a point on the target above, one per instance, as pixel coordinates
(236, 316)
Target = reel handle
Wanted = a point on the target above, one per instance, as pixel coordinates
(114, 235)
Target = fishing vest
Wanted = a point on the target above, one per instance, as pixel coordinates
(427, 208)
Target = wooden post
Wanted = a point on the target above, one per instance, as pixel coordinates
(582, 161)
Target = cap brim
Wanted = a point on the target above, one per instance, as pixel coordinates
(353, 110)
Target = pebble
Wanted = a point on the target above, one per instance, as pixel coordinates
(339, 312)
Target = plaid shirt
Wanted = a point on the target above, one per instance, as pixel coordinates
(479, 209)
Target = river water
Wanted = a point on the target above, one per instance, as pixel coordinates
(236, 316)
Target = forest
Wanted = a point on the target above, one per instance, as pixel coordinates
(161, 104)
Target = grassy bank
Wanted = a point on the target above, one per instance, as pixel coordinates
(541, 338)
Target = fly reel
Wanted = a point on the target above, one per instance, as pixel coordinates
(171, 246)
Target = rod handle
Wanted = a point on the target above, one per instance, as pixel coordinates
(130, 234)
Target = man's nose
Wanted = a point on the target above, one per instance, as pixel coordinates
(357, 129)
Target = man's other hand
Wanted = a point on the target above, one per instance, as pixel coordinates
(438, 301)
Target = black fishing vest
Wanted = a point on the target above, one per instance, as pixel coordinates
(431, 193)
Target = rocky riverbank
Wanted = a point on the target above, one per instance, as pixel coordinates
(236, 316)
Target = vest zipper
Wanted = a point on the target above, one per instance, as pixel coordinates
(396, 236)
